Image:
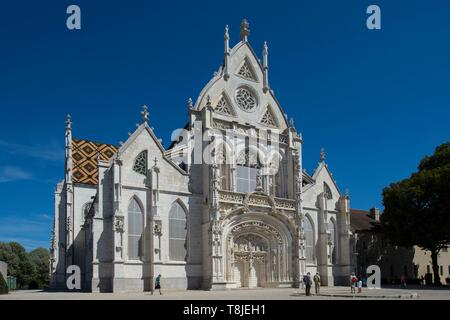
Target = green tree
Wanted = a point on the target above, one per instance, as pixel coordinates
(417, 209)
(40, 259)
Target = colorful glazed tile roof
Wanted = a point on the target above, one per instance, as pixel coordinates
(84, 157)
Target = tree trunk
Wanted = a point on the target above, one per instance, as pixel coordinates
(434, 261)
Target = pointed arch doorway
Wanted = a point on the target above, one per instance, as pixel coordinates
(258, 254)
(250, 257)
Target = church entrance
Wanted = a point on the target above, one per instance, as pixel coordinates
(258, 255)
(250, 261)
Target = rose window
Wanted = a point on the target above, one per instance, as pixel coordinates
(245, 99)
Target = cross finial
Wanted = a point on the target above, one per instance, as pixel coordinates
(155, 161)
(68, 122)
(265, 48)
(322, 155)
(347, 192)
(245, 30)
(144, 113)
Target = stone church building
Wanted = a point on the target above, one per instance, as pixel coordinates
(227, 205)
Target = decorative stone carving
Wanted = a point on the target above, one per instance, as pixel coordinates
(245, 99)
(157, 228)
(223, 125)
(119, 223)
(223, 106)
(246, 72)
(268, 119)
(69, 223)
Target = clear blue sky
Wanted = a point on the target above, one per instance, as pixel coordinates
(377, 101)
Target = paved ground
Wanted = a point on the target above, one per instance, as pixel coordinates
(335, 293)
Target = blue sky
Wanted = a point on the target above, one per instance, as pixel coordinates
(377, 101)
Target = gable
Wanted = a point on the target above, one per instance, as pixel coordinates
(244, 89)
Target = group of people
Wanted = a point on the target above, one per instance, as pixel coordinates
(355, 283)
(308, 281)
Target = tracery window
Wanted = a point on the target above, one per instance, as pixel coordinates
(246, 72)
(245, 99)
(309, 240)
(177, 232)
(140, 163)
(135, 230)
(223, 106)
(268, 119)
(246, 171)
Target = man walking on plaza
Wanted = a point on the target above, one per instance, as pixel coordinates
(317, 282)
(307, 281)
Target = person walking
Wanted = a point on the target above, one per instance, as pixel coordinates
(158, 284)
(307, 281)
(353, 281)
(317, 282)
(360, 283)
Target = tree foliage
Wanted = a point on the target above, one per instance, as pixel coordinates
(3, 285)
(417, 209)
(26, 267)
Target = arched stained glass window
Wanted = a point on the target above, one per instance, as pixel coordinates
(309, 241)
(177, 232)
(135, 230)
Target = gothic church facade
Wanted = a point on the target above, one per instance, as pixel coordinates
(227, 205)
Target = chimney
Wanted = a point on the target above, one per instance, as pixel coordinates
(375, 214)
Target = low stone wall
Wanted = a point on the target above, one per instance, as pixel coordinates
(4, 269)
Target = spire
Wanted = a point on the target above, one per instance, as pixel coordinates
(226, 40)
(189, 104)
(68, 123)
(265, 54)
(322, 155)
(68, 143)
(144, 113)
(245, 30)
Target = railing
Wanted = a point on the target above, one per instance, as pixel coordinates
(258, 200)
